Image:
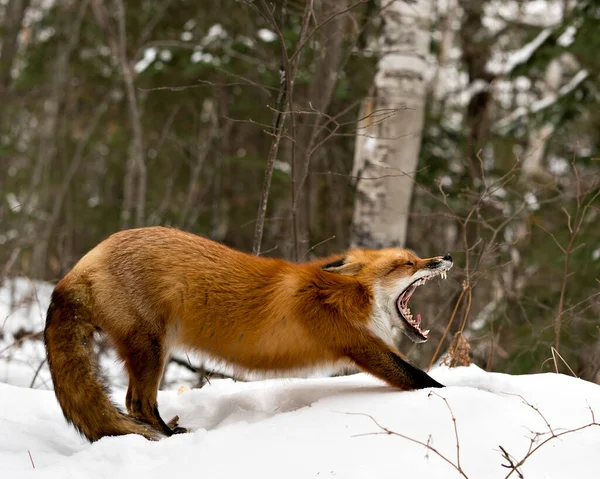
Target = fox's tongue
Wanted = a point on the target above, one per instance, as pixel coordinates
(405, 297)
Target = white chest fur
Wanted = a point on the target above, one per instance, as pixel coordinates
(383, 316)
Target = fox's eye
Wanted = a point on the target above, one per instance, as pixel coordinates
(409, 263)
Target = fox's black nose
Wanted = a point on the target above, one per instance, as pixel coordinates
(448, 257)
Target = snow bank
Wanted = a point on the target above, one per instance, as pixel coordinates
(299, 428)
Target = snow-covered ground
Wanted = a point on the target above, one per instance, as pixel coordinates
(300, 428)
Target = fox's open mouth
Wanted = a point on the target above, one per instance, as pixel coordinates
(412, 324)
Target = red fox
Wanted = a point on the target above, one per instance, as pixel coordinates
(151, 289)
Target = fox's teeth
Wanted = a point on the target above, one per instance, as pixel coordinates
(426, 332)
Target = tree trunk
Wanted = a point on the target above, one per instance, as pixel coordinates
(389, 136)
(475, 43)
(15, 11)
(446, 43)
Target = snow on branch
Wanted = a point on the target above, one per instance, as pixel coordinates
(495, 66)
(542, 104)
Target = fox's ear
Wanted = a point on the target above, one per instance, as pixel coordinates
(340, 266)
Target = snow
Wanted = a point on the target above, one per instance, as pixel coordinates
(473, 89)
(190, 24)
(453, 83)
(574, 82)
(146, 61)
(567, 37)
(13, 202)
(214, 32)
(282, 166)
(550, 99)
(370, 144)
(266, 35)
(558, 166)
(299, 428)
(200, 56)
(538, 13)
(542, 103)
(499, 66)
(166, 55)
(531, 201)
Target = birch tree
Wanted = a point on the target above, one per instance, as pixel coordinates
(390, 128)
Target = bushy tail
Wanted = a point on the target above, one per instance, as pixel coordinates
(78, 386)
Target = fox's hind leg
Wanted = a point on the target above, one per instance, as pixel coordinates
(172, 427)
(145, 357)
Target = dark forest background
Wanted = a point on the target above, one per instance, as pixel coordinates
(121, 114)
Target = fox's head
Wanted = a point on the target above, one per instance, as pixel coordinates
(394, 275)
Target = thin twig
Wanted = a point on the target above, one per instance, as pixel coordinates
(278, 123)
(389, 432)
(439, 346)
(556, 353)
(433, 393)
(318, 244)
(37, 371)
(532, 450)
(514, 464)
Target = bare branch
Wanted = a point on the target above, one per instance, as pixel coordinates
(514, 464)
(389, 432)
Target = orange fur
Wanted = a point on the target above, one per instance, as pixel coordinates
(151, 289)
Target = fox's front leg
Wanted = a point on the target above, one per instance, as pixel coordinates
(384, 362)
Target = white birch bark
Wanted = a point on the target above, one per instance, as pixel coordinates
(387, 147)
(446, 43)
